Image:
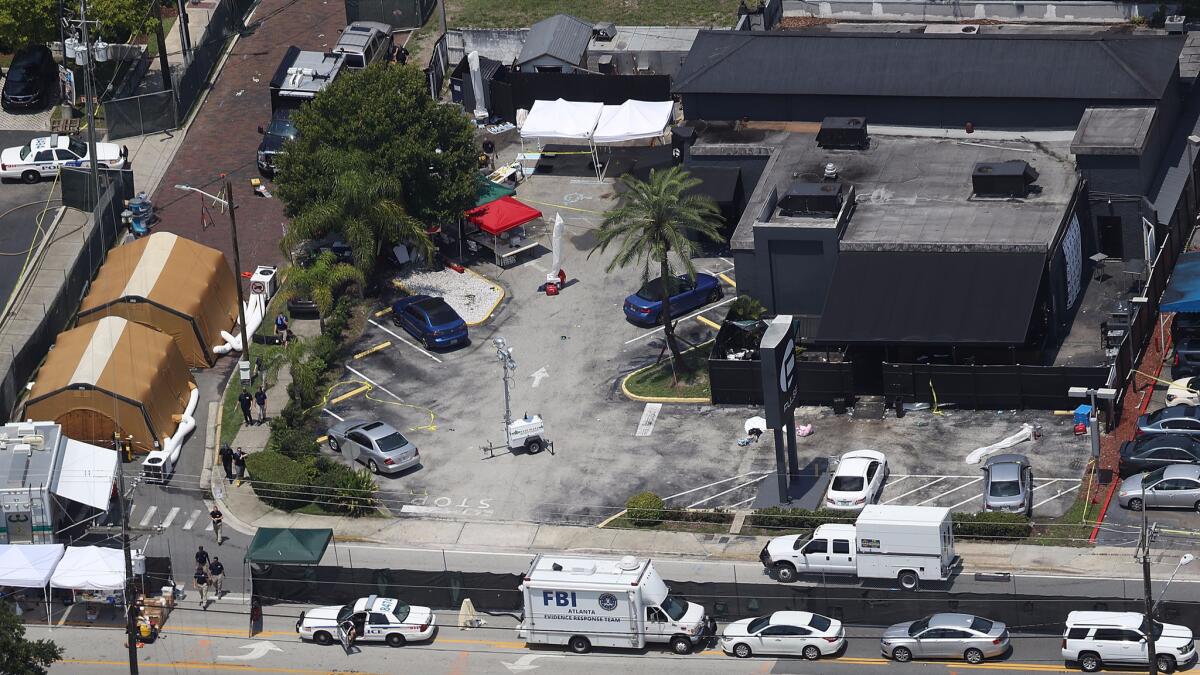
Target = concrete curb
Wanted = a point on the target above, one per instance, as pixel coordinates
(661, 399)
(492, 310)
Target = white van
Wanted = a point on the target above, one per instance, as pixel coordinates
(585, 602)
(1096, 639)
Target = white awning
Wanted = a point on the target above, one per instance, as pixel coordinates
(85, 568)
(85, 474)
(569, 120)
(632, 120)
(28, 565)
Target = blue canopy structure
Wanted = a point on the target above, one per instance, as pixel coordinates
(1183, 290)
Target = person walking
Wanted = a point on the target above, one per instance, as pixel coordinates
(200, 583)
(227, 461)
(260, 398)
(239, 464)
(201, 557)
(281, 325)
(217, 517)
(244, 401)
(217, 572)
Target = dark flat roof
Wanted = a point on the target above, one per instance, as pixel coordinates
(1113, 131)
(1097, 66)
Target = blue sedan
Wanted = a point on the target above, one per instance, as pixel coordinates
(430, 320)
(645, 306)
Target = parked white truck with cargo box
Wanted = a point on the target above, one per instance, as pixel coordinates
(906, 543)
(585, 602)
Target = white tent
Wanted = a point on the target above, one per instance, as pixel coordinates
(632, 120)
(86, 474)
(569, 121)
(29, 566)
(85, 568)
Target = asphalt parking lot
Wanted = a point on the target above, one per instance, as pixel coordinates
(571, 351)
(20, 205)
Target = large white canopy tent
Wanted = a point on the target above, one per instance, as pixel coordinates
(88, 568)
(30, 566)
(632, 121)
(595, 123)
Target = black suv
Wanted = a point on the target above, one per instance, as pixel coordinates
(1147, 453)
(1185, 325)
(32, 82)
(1187, 358)
(278, 132)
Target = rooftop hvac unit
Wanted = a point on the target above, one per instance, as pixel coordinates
(1003, 179)
(263, 281)
(812, 200)
(1175, 24)
(843, 132)
(604, 32)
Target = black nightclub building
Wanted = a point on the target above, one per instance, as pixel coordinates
(992, 268)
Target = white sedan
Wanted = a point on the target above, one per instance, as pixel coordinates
(46, 155)
(375, 619)
(784, 634)
(1184, 391)
(857, 480)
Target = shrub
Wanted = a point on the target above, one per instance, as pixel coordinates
(323, 348)
(645, 509)
(279, 480)
(783, 518)
(341, 489)
(307, 379)
(991, 525)
(694, 516)
(292, 441)
(746, 308)
(334, 325)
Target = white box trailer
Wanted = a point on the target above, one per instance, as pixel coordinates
(586, 602)
(906, 543)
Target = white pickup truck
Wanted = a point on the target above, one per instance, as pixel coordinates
(906, 543)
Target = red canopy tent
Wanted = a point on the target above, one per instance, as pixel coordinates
(498, 217)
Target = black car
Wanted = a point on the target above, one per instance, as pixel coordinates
(1187, 358)
(32, 82)
(1151, 452)
(278, 132)
(1185, 325)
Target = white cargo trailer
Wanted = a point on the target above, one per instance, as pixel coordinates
(586, 602)
(906, 543)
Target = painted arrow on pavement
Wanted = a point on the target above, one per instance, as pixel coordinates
(526, 662)
(257, 651)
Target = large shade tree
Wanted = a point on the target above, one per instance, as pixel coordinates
(322, 281)
(379, 161)
(19, 655)
(656, 228)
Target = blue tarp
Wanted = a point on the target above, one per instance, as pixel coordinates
(1183, 290)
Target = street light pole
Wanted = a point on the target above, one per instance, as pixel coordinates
(1151, 652)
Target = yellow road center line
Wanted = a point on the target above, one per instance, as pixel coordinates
(349, 394)
(372, 350)
(226, 667)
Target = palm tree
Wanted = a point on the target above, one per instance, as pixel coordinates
(652, 225)
(322, 281)
(366, 207)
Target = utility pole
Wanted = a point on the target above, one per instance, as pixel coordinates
(163, 64)
(1144, 545)
(130, 620)
(237, 266)
(90, 104)
(185, 37)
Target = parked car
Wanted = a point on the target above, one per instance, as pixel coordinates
(1184, 391)
(375, 619)
(44, 156)
(857, 480)
(1185, 325)
(1175, 486)
(1008, 484)
(376, 444)
(364, 43)
(1157, 450)
(1175, 419)
(784, 634)
(32, 82)
(279, 131)
(1096, 639)
(953, 636)
(1187, 358)
(645, 306)
(431, 320)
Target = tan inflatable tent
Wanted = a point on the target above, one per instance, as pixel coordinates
(112, 375)
(171, 284)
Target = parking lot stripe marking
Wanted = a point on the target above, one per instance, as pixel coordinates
(935, 498)
(1049, 482)
(968, 500)
(334, 415)
(732, 489)
(393, 334)
(929, 475)
(649, 414)
(170, 516)
(146, 518)
(689, 316)
(916, 490)
(372, 350)
(1056, 496)
(725, 277)
(708, 485)
(187, 524)
(351, 394)
(743, 502)
(708, 322)
(375, 384)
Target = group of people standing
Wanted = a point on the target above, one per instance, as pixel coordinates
(258, 398)
(233, 460)
(209, 572)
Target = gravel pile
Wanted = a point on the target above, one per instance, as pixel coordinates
(469, 294)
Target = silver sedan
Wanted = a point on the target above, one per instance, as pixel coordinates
(1174, 486)
(945, 636)
(376, 444)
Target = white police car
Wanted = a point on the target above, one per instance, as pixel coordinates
(44, 156)
(375, 619)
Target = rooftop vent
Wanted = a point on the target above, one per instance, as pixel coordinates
(831, 172)
(1175, 24)
(1003, 179)
(604, 32)
(843, 132)
(628, 563)
(952, 29)
(812, 200)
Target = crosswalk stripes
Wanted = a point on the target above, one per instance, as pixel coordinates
(170, 517)
(146, 518)
(187, 525)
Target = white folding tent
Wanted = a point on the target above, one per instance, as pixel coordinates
(85, 474)
(632, 121)
(562, 120)
(29, 566)
(88, 568)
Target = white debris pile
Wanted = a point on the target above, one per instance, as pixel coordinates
(471, 295)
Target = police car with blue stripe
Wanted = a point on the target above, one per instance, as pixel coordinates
(374, 619)
(44, 156)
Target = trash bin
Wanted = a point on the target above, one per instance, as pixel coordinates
(1082, 413)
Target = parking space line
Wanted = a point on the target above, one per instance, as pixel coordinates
(899, 479)
(732, 489)
(149, 514)
(916, 490)
(332, 414)
(968, 500)
(1049, 482)
(1056, 496)
(929, 475)
(171, 516)
(393, 334)
(950, 491)
(375, 384)
(708, 485)
(689, 316)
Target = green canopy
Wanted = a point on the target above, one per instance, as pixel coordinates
(488, 192)
(285, 545)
